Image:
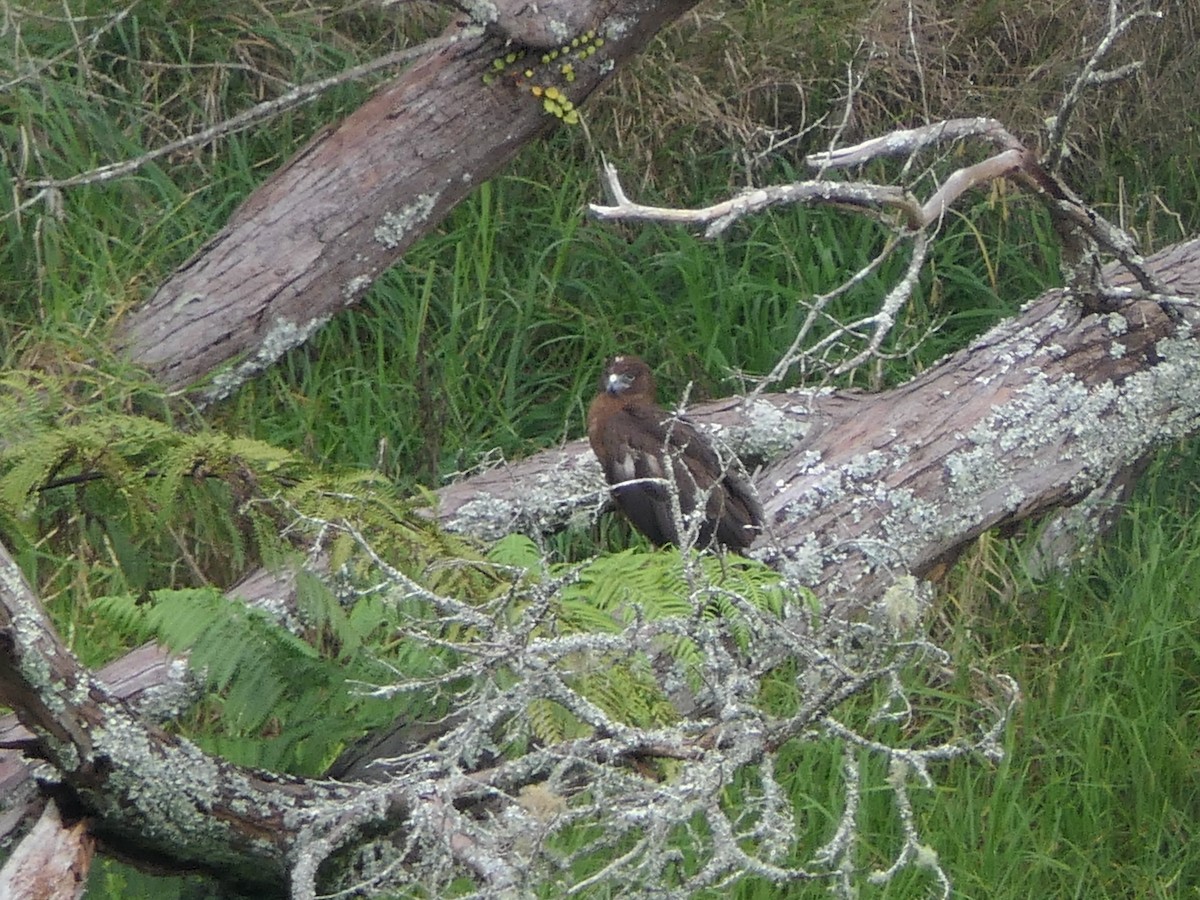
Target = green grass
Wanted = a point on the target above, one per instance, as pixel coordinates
(1100, 793)
(490, 334)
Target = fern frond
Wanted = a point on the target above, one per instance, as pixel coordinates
(551, 722)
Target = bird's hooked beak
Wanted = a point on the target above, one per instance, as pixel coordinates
(616, 383)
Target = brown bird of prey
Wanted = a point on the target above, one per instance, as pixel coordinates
(634, 438)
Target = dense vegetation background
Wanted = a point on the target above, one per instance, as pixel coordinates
(488, 337)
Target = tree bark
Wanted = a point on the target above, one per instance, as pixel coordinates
(151, 680)
(53, 861)
(157, 796)
(310, 241)
(1035, 415)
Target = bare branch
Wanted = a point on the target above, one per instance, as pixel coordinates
(720, 216)
(911, 141)
(297, 96)
(1090, 75)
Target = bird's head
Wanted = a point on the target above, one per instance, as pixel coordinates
(626, 377)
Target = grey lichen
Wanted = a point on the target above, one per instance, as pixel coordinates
(805, 563)
(903, 605)
(395, 227)
(569, 493)
(866, 465)
(769, 431)
(481, 12)
(487, 517)
(34, 648)
(283, 336)
(355, 286)
(1093, 431)
(171, 698)
(912, 522)
(1038, 416)
(618, 27)
(171, 794)
(559, 30)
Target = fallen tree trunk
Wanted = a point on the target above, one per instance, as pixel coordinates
(151, 680)
(1035, 415)
(310, 240)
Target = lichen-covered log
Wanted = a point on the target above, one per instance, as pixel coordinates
(152, 792)
(1033, 416)
(309, 241)
(151, 680)
(157, 797)
(148, 678)
(557, 488)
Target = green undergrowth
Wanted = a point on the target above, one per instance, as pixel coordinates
(129, 511)
(127, 496)
(277, 700)
(1100, 794)
(489, 336)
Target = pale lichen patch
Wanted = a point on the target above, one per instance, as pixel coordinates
(903, 604)
(283, 336)
(617, 27)
(568, 494)
(482, 12)
(355, 286)
(559, 30)
(395, 227)
(1092, 432)
(1117, 324)
(768, 431)
(805, 563)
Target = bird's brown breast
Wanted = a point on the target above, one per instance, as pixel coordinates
(645, 453)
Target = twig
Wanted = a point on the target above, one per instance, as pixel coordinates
(47, 187)
(865, 198)
(1091, 76)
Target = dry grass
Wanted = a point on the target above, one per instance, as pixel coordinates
(751, 75)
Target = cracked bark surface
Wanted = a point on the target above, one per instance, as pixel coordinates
(309, 241)
(1039, 412)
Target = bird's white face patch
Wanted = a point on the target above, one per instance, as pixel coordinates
(617, 382)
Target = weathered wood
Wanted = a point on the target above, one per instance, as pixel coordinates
(156, 794)
(151, 680)
(52, 862)
(311, 240)
(148, 673)
(1035, 415)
